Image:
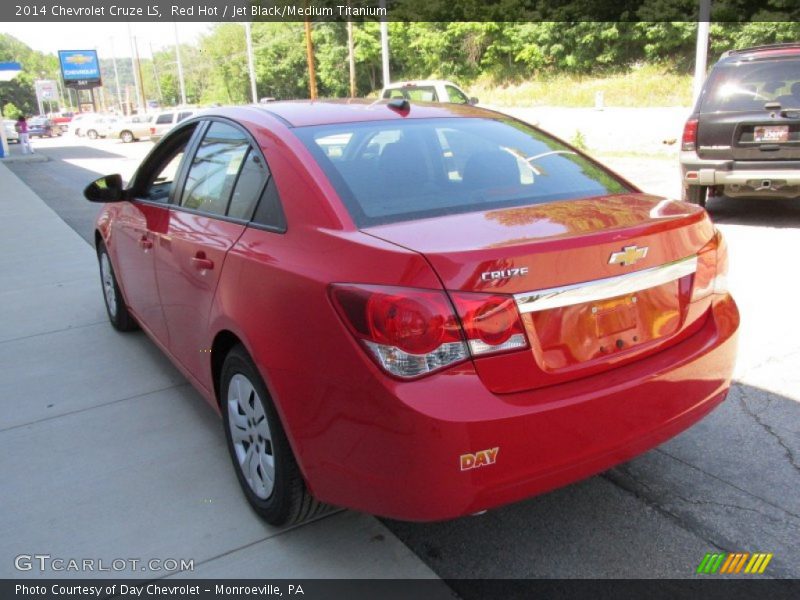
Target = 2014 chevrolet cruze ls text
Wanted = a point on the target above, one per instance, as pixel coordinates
(418, 311)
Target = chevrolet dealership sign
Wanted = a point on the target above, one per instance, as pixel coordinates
(80, 68)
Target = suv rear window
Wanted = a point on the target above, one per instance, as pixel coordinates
(747, 86)
(390, 171)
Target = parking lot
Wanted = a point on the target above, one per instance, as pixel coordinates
(108, 452)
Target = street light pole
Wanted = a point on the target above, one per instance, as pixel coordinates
(116, 75)
(384, 46)
(133, 69)
(312, 74)
(701, 54)
(180, 66)
(251, 67)
(351, 59)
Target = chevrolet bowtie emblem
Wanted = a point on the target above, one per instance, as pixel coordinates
(630, 255)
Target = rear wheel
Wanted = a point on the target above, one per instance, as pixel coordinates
(118, 313)
(91, 134)
(695, 194)
(126, 137)
(264, 463)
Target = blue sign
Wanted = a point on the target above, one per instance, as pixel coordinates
(80, 67)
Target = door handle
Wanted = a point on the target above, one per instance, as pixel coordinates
(201, 263)
(145, 243)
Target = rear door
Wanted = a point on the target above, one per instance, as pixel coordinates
(205, 221)
(750, 111)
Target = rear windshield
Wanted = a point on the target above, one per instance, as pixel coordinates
(747, 86)
(390, 171)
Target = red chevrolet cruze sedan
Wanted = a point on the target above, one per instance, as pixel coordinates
(418, 311)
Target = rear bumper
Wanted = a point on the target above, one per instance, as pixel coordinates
(762, 177)
(403, 457)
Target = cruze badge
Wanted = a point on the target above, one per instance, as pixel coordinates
(630, 255)
(504, 274)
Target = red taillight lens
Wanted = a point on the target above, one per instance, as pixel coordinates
(409, 332)
(152, 131)
(412, 332)
(689, 139)
(491, 322)
(712, 269)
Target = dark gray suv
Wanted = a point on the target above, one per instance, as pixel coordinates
(743, 137)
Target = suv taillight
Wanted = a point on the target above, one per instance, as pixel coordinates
(712, 268)
(411, 332)
(152, 131)
(689, 139)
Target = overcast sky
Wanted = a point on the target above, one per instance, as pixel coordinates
(51, 37)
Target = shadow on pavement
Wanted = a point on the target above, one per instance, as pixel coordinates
(755, 211)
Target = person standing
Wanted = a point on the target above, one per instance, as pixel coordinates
(24, 137)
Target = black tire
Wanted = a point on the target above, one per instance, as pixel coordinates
(91, 134)
(695, 194)
(289, 501)
(118, 314)
(126, 137)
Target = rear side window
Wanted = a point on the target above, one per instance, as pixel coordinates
(252, 177)
(390, 171)
(184, 115)
(164, 119)
(214, 169)
(747, 86)
(414, 93)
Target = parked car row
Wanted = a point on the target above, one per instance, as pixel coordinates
(128, 129)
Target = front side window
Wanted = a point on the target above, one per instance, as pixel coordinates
(214, 169)
(456, 95)
(390, 171)
(157, 176)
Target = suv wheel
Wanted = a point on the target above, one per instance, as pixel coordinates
(264, 463)
(695, 194)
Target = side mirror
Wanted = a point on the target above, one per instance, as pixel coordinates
(473, 101)
(105, 189)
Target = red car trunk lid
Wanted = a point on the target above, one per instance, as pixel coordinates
(583, 311)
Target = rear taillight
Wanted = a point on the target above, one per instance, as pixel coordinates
(412, 332)
(152, 131)
(689, 139)
(711, 276)
(491, 322)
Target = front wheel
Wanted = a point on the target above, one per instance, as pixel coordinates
(118, 314)
(91, 134)
(695, 194)
(264, 463)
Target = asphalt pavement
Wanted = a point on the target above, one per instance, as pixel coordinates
(107, 413)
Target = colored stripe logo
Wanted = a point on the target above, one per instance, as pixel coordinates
(734, 563)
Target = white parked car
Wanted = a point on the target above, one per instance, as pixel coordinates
(166, 120)
(129, 129)
(428, 90)
(11, 132)
(78, 122)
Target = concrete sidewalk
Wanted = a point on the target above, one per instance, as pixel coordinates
(107, 453)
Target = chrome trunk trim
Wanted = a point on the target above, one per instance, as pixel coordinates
(602, 289)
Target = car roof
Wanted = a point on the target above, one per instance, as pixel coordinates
(413, 82)
(768, 51)
(303, 113)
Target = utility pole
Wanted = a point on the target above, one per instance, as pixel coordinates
(133, 70)
(116, 75)
(312, 75)
(155, 74)
(251, 66)
(180, 66)
(384, 46)
(701, 54)
(351, 58)
(139, 69)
